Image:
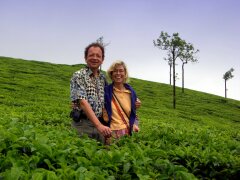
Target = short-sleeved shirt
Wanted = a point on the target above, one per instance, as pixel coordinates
(84, 85)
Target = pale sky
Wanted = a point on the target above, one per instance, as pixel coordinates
(57, 31)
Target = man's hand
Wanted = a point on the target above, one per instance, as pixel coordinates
(138, 103)
(104, 130)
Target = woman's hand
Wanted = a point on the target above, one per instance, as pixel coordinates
(135, 128)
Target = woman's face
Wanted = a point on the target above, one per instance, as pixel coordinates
(119, 74)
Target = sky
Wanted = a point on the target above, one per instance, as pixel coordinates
(58, 31)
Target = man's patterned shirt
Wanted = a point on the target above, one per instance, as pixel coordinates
(84, 85)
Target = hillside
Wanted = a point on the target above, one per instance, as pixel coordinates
(198, 140)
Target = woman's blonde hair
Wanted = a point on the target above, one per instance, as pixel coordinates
(114, 66)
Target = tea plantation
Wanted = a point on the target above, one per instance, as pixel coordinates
(200, 139)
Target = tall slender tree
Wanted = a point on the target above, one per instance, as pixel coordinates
(174, 46)
(228, 75)
(170, 63)
(100, 41)
(187, 55)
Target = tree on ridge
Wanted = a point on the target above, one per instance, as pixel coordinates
(100, 41)
(176, 48)
(186, 56)
(228, 75)
(170, 63)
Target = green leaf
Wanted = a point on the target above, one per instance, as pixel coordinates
(50, 175)
(126, 167)
(14, 173)
(38, 176)
(182, 175)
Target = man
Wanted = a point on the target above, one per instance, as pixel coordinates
(87, 94)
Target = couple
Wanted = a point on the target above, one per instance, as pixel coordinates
(91, 97)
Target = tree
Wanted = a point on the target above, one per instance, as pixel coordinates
(174, 46)
(228, 75)
(100, 41)
(170, 63)
(186, 56)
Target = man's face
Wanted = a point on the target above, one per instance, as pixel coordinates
(94, 58)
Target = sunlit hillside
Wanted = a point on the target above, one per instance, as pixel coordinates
(200, 139)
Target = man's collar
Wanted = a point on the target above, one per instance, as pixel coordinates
(90, 73)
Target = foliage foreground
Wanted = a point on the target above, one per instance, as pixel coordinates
(200, 139)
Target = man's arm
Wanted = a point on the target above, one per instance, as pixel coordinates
(104, 130)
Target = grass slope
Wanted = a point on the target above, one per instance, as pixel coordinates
(198, 140)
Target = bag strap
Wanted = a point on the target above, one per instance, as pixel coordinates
(136, 119)
(120, 105)
(120, 114)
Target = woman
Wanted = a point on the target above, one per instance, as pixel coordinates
(120, 102)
